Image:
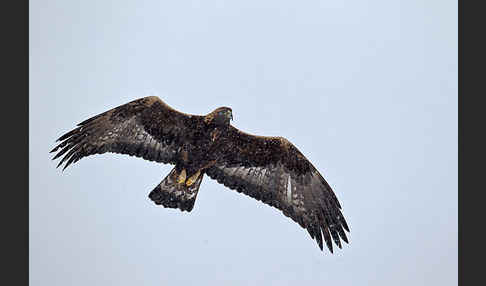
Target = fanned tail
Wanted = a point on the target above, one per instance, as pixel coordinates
(172, 194)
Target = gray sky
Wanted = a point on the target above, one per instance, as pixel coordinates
(367, 90)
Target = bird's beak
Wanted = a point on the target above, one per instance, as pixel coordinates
(231, 116)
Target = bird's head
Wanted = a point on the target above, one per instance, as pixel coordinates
(220, 116)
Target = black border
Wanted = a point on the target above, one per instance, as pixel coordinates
(471, 120)
(15, 144)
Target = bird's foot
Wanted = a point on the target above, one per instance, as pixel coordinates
(192, 179)
(182, 177)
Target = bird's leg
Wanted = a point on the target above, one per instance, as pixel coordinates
(193, 178)
(182, 177)
(208, 165)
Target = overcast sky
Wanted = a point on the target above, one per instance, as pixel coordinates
(367, 90)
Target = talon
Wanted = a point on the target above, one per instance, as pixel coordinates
(192, 179)
(182, 177)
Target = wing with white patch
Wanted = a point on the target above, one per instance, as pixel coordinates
(146, 128)
(272, 170)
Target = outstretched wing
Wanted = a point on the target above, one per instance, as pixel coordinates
(146, 128)
(274, 171)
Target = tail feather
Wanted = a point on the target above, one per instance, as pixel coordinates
(170, 194)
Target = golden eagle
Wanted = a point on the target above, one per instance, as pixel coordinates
(269, 169)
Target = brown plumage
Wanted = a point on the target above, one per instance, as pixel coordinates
(269, 169)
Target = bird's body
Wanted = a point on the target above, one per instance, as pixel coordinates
(269, 169)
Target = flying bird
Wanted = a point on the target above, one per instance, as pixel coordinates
(269, 169)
